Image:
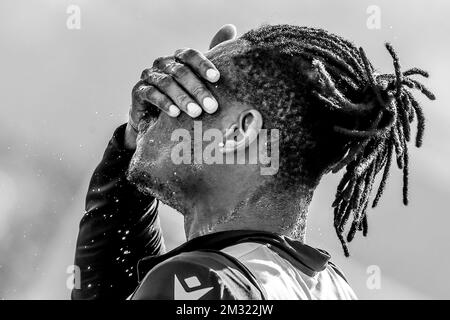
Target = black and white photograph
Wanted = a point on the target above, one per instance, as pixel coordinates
(224, 150)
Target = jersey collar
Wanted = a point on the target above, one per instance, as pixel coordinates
(308, 259)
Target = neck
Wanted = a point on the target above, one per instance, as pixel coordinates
(280, 213)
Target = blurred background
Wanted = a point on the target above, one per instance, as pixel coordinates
(63, 91)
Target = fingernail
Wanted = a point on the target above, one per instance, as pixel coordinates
(210, 105)
(194, 109)
(213, 75)
(174, 111)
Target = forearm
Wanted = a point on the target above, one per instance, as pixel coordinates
(120, 227)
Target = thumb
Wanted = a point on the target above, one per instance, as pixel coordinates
(227, 32)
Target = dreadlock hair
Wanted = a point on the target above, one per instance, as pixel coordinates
(330, 103)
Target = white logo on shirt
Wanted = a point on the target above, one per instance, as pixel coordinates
(181, 294)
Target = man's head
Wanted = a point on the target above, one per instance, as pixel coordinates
(330, 107)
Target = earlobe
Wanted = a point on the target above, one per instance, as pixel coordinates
(243, 133)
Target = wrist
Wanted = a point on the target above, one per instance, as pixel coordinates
(130, 137)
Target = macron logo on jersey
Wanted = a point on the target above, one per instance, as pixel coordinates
(192, 282)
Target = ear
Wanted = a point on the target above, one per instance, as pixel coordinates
(242, 133)
(227, 32)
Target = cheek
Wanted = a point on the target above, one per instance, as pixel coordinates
(153, 144)
(155, 152)
(154, 148)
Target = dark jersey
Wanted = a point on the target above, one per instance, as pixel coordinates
(120, 226)
(120, 252)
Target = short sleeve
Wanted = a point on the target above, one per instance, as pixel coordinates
(197, 275)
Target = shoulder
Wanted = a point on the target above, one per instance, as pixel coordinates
(205, 275)
(339, 283)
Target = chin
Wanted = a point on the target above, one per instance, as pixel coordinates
(139, 174)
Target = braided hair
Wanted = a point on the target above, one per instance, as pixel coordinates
(346, 84)
(372, 150)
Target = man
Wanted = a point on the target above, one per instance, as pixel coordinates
(245, 229)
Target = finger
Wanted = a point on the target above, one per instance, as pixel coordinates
(161, 62)
(167, 85)
(227, 32)
(199, 63)
(152, 95)
(192, 84)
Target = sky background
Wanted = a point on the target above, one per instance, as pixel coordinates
(63, 92)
